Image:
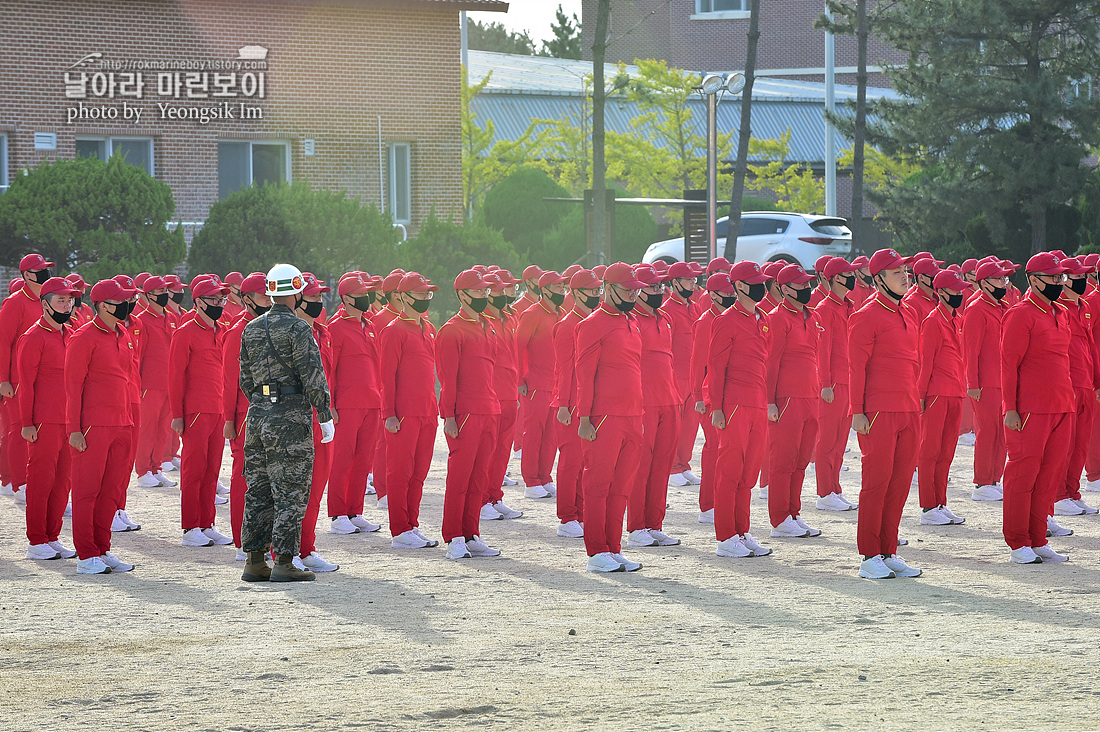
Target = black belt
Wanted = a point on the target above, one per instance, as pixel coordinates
(283, 391)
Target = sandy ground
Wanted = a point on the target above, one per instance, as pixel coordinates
(409, 640)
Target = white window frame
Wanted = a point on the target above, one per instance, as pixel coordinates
(109, 146)
(286, 145)
(701, 13)
(4, 162)
(391, 170)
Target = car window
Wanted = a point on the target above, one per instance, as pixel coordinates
(723, 227)
(759, 226)
(830, 227)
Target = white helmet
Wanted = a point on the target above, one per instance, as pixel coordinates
(285, 279)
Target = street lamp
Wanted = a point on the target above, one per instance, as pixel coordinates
(712, 88)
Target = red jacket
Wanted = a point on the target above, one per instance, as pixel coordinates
(792, 358)
(941, 363)
(97, 377)
(700, 350)
(679, 312)
(860, 295)
(565, 361)
(981, 341)
(19, 312)
(505, 372)
(525, 301)
(883, 367)
(609, 364)
(195, 370)
(820, 293)
(659, 388)
(406, 356)
(464, 352)
(155, 344)
(535, 346)
(921, 302)
(1035, 344)
(353, 383)
(832, 349)
(40, 357)
(1084, 367)
(737, 370)
(234, 401)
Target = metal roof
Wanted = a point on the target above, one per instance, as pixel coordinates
(523, 89)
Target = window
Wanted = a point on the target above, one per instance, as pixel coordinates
(3, 163)
(721, 6)
(400, 182)
(137, 151)
(242, 163)
(759, 227)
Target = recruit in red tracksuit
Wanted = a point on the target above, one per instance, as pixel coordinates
(235, 410)
(535, 347)
(380, 320)
(1084, 372)
(505, 386)
(700, 357)
(680, 313)
(834, 419)
(570, 499)
(921, 302)
(882, 375)
(156, 334)
(941, 388)
(981, 343)
(19, 312)
(1092, 457)
(322, 451)
(1035, 383)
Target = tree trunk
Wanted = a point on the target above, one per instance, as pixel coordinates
(598, 246)
(1039, 231)
(742, 164)
(855, 222)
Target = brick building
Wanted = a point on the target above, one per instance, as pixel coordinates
(712, 35)
(212, 95)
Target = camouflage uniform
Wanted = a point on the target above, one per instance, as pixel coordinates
(278, 447)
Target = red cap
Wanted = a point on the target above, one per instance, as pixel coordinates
(56, 286)
(1010, 267)
(838, 265)
(720, 282)
(571, 270)
(549, 277)
(126, 281)
(1092, 260)
(532, 272)
(1059, 253)
(255, 282)
(696, 268)
(793, 274)
(682, 269)
(1090, 267)
(207, 287)
(350, 284)
(622, 274)
(506, 277)
(584, 279)
(968, 266)
(885, 259)
(375, 284)
(470, 279)
(1044, 263)
(599, 269)
(493, 282)
(110, 290)
(392, 282)
(76, 281)
(313, 285)
(819, 265)
(718, 264)
(647, 274)
(661, 266)
(771, 269)
(989, 269)
(750, 272)
(861, 261)
(480, 269)
(152, 283)
(1074, 267)
(416, 282)
(947, 280)
(34, 262)
(925, 266)
(175, 284)
(140, 279)
(925, 255)
(234, 279)
(16, 285)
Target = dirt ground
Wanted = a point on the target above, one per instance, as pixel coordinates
(408, 640)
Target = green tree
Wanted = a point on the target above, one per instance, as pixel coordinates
(96, 217)
(495, 37)
(793, 184)
(517, 208)
(635, 230)
(566, 42)
(485, 161)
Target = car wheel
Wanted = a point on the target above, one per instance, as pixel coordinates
(785, 258)
(668, 260)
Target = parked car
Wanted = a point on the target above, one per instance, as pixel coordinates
(768, 236)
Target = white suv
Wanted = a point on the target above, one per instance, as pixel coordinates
(768, 236)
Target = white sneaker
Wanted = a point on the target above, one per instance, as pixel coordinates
(147, 481)
(21, 495)
(298, 563)
(1047, 554)
(813, 532)
(116, 564)
(956, 519)
(242, 555)
(875, 568)
(196, 537)
(7, 490)
(479, 548)
(126, 518)
(966, 440)
(1089, 510)
(833, 502)
(342, 525)
(517, 454)
(363, 525)
(318, 564)
(604, 562)
(64, 551)
(732, 547)
(789, 528)
(640, 538)
(848, 500)
(914, 482)
(898, 566)
(1068, 507)
(168, 467)
(986, 493)
(508, 481)
(222, 489)
(117, 524)
(431, 542)
(408, 540)
(1024, 555)
(456, 549)
(571, 530)
(384, 503)
(811, 468)
(175, 463)
(1053, 529)
(762, 494)
(488, 513)
(164, 480)
(69, 509)
(692, 478)
(628, 566)
(216, 536)
(844, 468)
(551, 489)
(93, 565)
(662, 538)
(220, 500)
(506, 512)
(757, 549)
(935, 517)
(536, 491)
(1092, 485)
(42, 551)
(677, 480)
(706, 517)
(903, 542)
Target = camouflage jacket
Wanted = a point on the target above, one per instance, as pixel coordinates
(294, 340)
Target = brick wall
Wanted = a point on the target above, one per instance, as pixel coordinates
(333, 68)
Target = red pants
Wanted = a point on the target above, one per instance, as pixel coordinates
(611, 466)
(156, 423)
(708, 462)
(48, 480)
(645, 505)
(1082, 432)
(15, 444)
(791, 443)
(5, 470)
(202, 459)
(889, 458)
(172, 447)
(237, 485)
(966, 422)
(539, 441)
(408, 458)
(379, 469)
(834, 423)
(502, 449)
(570, 498)
(468, 460)
(135, 430)
(685, 438)
(989, 436)
(517, 437)
(1036, 467)
(322, 461)
(740, 452)
(352, 459)
(939, 434)
(97, 474)
(1092, 458)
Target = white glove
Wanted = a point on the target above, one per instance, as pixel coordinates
(328, 431)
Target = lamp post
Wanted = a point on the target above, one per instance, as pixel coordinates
(712, 88)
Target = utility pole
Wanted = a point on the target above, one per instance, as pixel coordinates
(830, 109)
(745, 132)
(855, 223)
(598, 245)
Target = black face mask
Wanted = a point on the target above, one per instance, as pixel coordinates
(849, 282)
(555, 297)
(590, 301)
(313, 309)
(59, 318)
(39, 276)
(362, 302)
(757, 292)
(161, 299)
(214, 311)
(1079, 286)
(727, 301)
(260, 309)
(420, 306)
(1051, 292)
(177, 297)
(803, 296)
(889, 292)
(477, 304)
(118, 311)
(867, 280)
(498, 301)
(685, 294)
(998, 292)
(653, 301)
(77, 302)
(955, 301)
(129, 309)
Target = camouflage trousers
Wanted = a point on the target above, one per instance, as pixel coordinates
(278, 464)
